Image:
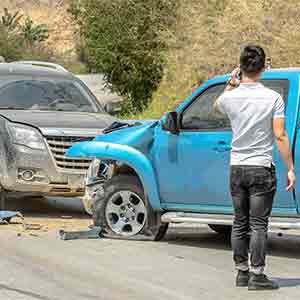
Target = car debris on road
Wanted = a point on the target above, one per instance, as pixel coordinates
(6, 216)
(93, 233)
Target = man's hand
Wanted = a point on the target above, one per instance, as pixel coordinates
(291, 181)
(231, 84)
(235, 81)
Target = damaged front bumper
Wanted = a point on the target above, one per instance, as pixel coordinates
(98, 173)
(33, 172)
(92, 193)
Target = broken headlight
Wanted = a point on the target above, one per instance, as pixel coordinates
(98, 171)
(93, 169)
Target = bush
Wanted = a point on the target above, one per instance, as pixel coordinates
(125, 41)
(9, 20)
(22, 41)
(32, 33)
(11, 46)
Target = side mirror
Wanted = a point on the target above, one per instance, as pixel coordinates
(112, 108)
(171, 122)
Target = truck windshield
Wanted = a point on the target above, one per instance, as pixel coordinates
(45, 93)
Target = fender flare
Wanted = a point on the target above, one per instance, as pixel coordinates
(125, 154)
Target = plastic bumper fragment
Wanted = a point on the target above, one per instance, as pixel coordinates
(93, 233)
(6, 216)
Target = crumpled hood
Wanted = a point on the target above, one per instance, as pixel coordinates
(59, 119)
(139, 137)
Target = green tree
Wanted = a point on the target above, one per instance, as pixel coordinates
(125, 41)
(32, 33)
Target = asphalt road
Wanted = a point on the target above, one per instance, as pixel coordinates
(96, 84)
(190, 264)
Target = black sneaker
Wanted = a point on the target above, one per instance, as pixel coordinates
(261, 282)
(242, 278)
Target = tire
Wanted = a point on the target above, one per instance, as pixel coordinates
(221, 229)
(3, 198)
(123, 211)
(162, 230)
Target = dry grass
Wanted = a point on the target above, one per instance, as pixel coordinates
(208, 38)
(62, 40)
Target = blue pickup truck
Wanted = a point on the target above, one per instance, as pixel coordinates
(175, 170)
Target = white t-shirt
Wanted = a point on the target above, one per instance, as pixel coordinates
(251, 108)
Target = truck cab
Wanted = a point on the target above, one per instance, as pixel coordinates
(179, 166)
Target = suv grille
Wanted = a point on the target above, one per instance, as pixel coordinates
(60, 144)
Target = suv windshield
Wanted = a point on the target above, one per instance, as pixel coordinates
(45, 93)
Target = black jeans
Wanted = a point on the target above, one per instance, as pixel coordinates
(252, 189)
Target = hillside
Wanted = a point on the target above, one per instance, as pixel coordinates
(208, 37)
(206, 40)
(54, 14)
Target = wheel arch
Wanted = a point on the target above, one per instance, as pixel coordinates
(130, 156)
(125, 169)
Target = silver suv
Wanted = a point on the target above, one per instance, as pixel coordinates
(44, 110)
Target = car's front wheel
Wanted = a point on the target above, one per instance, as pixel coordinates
(123, 210)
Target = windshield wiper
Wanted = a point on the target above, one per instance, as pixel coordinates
(11, 108)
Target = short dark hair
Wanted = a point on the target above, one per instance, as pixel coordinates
(253, 59)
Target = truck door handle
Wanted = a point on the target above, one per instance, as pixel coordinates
(222, 147)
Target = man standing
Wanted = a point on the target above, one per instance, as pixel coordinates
(257, 118)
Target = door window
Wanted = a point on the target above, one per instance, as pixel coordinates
(281, 86)
(201, 115)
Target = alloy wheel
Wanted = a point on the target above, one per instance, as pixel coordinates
(126, 213)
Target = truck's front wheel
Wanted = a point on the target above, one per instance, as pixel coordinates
(124, 211)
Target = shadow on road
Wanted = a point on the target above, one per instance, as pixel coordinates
(45, 205)
(287, 282)
(283, 245)
(49, 210)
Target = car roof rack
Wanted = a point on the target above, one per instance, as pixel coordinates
(42, 64)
